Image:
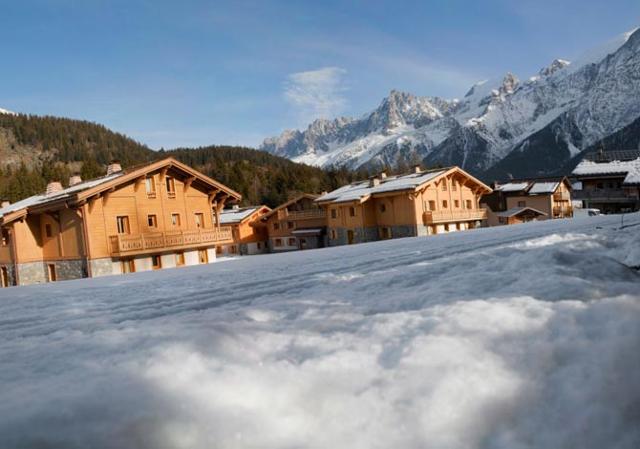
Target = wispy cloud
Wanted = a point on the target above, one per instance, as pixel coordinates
(316, 93)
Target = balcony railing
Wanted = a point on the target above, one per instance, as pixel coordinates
(438, 216)
(301, 214)
(158, 241)
(604, 195)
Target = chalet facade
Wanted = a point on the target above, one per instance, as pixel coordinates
(609, 181)
(249, 235)
(296, 225)
(419, 203)
(156, 216)
(523, 200)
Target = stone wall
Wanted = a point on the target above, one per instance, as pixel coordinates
(36, 272)
(101, 267)
(32, 273)
(401, 231)
(360, 235)
(11, 274)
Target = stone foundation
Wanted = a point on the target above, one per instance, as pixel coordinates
(11, 274)
(36, 272)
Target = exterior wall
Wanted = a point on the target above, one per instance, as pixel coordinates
(283, 221)
(403, 214)
(544, 203)
(133, 201)
(104, 267)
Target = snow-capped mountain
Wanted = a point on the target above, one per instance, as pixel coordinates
(501, 126)
(5, 111)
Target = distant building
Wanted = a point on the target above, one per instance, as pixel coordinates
(295, 225)
(523, 200)
(420, 203)
(156, 216)
(249, 237)
(609, 181)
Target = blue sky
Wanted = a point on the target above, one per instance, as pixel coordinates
(189, 73)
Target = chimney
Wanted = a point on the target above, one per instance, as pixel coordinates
(53, 187)
(383, 175)
(417, 168)
(113, 168)
(75, 179)
(4, 204)
(374, 181)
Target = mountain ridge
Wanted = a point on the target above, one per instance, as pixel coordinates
(566, 107)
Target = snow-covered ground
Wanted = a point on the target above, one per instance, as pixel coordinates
(516, 337)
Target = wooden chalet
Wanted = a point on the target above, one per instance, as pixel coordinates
(163, 214)
(420, 203)
(296, 225)
(249, 235)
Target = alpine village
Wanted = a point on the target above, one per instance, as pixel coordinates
(190, 207)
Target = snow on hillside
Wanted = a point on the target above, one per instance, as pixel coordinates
(517, 337)
(5, 111)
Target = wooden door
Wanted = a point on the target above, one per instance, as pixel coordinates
(51, 272)
(350, 237)
(203, 256)
(4, 277)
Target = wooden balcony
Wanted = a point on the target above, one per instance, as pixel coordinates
(308, 214)
(444, 216)
(125, 244)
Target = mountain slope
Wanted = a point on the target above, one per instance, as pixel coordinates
(35, 150)
(503, 126)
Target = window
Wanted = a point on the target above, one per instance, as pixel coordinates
(469, 204)
(5, 237)
(456, 203)
(175, 220)
(290, 225)
(292, 241)
(171, 187)
(600, 185)
(4, 277)
(334, 213)
(278, 242)
(522, 203)
(352, 211)
(233, 249)
(179, 259)
(150, 185)
(152, 221)
(47, 230)
(385, 233)
(432, 205)
(445, 204)
(123, 224)
(334, 234)
(259, 245)
(128, 266)
(199, 217)
(444, 185)
(446, 227)
(276, 226)
(383, 208)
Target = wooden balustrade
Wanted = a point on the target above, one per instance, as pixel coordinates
(158, 241)
(301, 214)
(437, 216)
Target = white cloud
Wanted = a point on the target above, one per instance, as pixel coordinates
(316, 93)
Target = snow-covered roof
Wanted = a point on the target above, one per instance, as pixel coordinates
(518, 210)
(42, 199)
(539, 188)
(361, 190)
(512, 186)
(631, 169)
(230, 216)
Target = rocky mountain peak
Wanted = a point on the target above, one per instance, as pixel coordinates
(557, 64)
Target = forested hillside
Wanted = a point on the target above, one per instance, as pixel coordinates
(35, 150)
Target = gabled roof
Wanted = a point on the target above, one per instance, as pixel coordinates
(362, 190)
(237, 216)
(76, 194)
(630, 169)
(310, 196)
(536, 186)
(514, 211)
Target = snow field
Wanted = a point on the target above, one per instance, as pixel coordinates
(516, 337)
